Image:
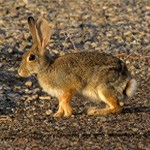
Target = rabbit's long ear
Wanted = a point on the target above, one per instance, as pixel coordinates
(43, 31)
(32, 26)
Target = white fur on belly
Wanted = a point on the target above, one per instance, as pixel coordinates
(51, 91)
(91, 93)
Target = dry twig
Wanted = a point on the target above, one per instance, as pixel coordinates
(131, 56)
(5, 118)
(67, 36)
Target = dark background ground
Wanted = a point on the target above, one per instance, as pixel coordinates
(112, 26)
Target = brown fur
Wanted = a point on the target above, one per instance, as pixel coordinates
(99, 76)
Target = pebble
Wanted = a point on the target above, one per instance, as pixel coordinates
(49, 112)
(44, 97)
(28, 83)
(102, 118)
(121, 103)
(30, 98)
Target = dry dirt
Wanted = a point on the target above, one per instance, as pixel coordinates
(111, 26)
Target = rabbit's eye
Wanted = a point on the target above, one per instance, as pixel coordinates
(32, 57)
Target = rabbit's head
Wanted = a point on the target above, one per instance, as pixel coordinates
(34, 59)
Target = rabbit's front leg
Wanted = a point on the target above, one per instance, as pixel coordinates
(65, 108)
(60, 111)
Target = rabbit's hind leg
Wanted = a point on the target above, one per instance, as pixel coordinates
(110, 99)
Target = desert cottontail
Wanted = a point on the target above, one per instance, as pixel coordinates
(99, 76)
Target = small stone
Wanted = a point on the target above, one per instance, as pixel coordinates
(121, 103)
(30, 98)
(94, 44)
(102, 118)
(25, 2)
(135, 129)
(127, 33)
(44, 97)
(49, 112)
(28, 83)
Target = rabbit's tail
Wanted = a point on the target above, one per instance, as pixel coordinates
(131, 87)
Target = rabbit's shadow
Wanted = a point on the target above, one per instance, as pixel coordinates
(137, 109)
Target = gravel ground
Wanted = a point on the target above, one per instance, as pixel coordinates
(120, 27)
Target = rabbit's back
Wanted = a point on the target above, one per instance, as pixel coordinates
(91, 65)
(88, 59)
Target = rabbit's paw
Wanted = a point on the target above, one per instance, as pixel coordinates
(92, 111)
(58, 114)
(68, 114)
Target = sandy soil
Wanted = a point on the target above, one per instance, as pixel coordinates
(111, 26)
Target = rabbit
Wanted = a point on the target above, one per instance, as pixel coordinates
(99, 76)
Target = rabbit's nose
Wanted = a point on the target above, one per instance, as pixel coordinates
(23, 72)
